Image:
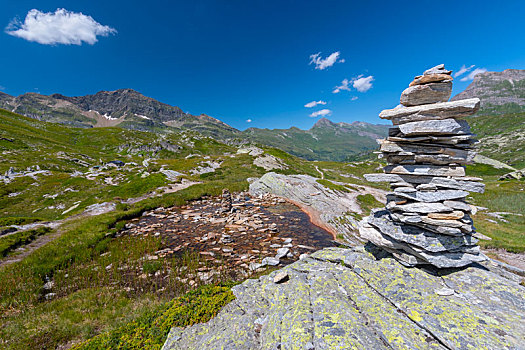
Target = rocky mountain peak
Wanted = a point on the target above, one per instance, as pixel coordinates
(503, 91)
(323, 122)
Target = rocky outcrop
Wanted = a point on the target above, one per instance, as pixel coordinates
(497, 88)
(332, 209)
(426, 220)
(348, 299)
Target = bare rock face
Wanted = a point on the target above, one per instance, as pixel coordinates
(426, 219)
(496, 88)
(349, 299)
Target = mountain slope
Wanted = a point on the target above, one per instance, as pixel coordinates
(125, 108)
(129, 109)
(324, 141)
(500, 123)
(500, 92)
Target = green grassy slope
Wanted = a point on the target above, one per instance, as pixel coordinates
(327, 142)
(502, 137)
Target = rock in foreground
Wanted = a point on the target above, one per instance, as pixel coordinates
(346, 299)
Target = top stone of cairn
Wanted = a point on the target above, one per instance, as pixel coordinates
(435, 85)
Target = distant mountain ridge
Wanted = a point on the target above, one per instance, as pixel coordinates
(500, 92)
(129, 109)
(125, 108)
(500, 123)
(326, 140)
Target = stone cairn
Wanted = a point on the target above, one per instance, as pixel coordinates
(226, 201)
(426, 219)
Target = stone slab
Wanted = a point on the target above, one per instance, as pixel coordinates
(443, 110)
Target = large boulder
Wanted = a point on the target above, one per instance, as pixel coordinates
(350, 299)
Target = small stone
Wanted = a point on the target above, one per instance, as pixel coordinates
(281, 252)
(430, 78)
(50, 296)
(270, 261)
(439, 69)
(444, 292)
(426, 187)
(421, 207)
(432, 170)
(455, 215)
(281, 277)
(255, 266)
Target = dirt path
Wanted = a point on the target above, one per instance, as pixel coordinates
(319, 171)
(99, 209)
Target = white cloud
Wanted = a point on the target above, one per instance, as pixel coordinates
(248, 120)
(60, 27)
(360, 83)
(363, 84)
(323, 63)
(353, 98)
(314, 103)
(343, 86)
(463, 70)
(472, 74)
(321, 113)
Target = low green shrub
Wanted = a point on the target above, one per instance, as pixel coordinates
(151, 329)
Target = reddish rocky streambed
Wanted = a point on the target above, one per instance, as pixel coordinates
(255, 233)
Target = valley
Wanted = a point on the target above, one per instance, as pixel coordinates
(115, 229)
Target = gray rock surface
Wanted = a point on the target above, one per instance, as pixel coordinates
(331, 207)
(439, 69)
(464, 183)
(432, 196)
(347, 299)
(425, 94)
(423, 169)
(432, 127)
(497, 88)
(444, 110)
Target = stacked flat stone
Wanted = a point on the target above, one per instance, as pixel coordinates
(427, 219)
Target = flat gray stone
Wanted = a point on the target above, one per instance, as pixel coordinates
(458, 141)
(415, 236)
(435, 159)
(443, 110)
(432, 196)
(421, 207)
(414, 148)
(435, 127)
(467, 185)
(458, 205)
(432, 170)
(439, 69)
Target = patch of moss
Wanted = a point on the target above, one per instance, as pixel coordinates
(11, 242)
(11, 220)
(335, 187)
(367, 202)
(151, 329)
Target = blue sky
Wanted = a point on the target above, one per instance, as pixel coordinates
(251, 60)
